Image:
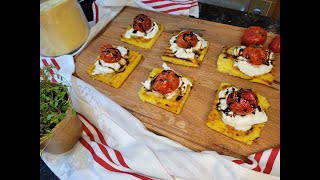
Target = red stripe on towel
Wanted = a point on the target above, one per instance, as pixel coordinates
(179, 9)
(104, 163)
(55, 63)
(103, 141)
(271, 159)
(238, 161)
(44, 61)
(170, 4)
(103, 149)
(171, 1)
(97, 11)
(257, 157)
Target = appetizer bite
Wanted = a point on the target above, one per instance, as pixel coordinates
(142, 33)
(114, 64)
(166, 89)
(247, 62)
(187, 48)
(238, 113)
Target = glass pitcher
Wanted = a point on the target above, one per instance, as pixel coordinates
(63, 27)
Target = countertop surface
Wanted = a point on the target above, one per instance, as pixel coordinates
(207, 12)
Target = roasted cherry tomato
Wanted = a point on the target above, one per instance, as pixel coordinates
(255, 55)
(187, 39)
(165, 82)
(275, 44)
(242, 102)
(142, 23)
(109, 54)
(254, 35)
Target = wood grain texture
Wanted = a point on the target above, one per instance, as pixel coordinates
(189, 127)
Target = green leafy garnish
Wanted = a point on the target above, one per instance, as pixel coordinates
(54, 102)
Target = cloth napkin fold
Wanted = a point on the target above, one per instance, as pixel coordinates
(116, 145)
(176, 7)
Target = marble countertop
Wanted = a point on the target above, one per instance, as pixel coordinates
(237, 18)
(207, 12)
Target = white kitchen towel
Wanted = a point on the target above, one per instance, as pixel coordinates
(105, 10)
(116, 145)
(65, 61)
(176, 7)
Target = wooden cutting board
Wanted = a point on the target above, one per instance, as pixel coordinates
(187, 128)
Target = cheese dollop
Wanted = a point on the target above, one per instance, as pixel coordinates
(249, 69)
(188, 53)
(104, 68)
(181, 89)
(148, 35)
(239, 122)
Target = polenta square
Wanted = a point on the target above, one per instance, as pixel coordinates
(226, 64)
(140, 41)
(186, 48)
(166, 89)
(142, 32)
(169, 56)
(114, 74)
(243, 128)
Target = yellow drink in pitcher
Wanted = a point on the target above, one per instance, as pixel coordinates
(63, 27)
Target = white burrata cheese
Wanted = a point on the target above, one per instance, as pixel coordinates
(98, 69)
(189, 52)
(107, 68)
(181, 90)
(249, 69)
(123, 50)
(239, 122)
(147, 84)
(236, 51)
(148, 35)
